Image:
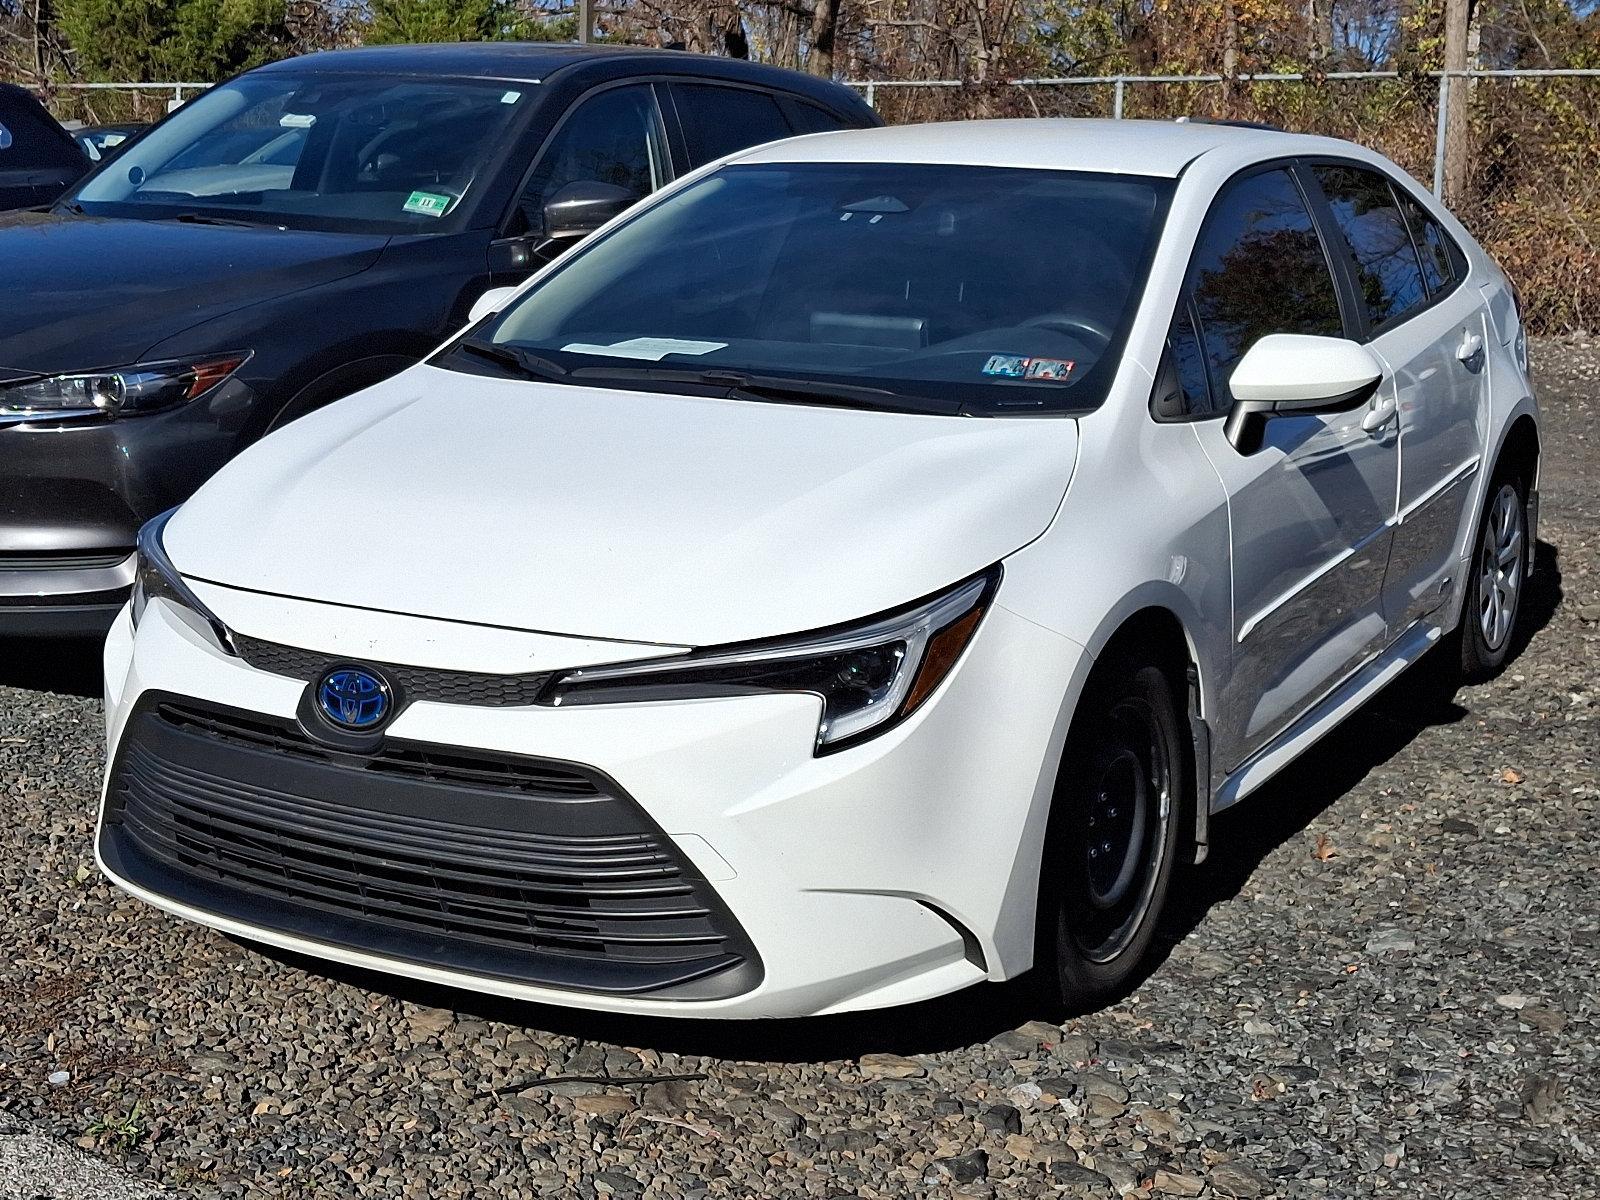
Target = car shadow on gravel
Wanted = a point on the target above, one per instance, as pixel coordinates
(69, 666)
(1241, 838)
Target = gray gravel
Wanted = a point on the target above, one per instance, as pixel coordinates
(1383, 983)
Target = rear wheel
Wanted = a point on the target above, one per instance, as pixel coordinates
(1114, 832)
(1496, 581)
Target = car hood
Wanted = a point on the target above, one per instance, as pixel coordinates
(86, 292)
(626, 515)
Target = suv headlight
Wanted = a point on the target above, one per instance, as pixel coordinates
(155, 577)
(869, 676)
(120, 391)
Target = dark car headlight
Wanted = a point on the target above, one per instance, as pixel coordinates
(155, 577)
(869, 676)
(120, 391)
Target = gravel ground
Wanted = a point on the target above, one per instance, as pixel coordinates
(1384, 981)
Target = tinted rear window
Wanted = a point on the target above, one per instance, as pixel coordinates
(720, 120)
(1387, 270)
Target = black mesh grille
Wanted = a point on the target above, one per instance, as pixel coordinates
(417, 683)
(522, 868)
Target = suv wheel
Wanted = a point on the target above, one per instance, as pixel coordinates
(1114, 832)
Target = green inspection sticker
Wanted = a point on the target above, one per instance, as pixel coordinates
(429, 204)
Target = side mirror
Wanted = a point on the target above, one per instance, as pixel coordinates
(579, 208)
(489, 303)
(1294, 374)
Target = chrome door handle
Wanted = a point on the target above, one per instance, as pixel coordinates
(1470, 352)
(1379, 415)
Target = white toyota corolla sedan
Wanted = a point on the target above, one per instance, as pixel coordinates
(858, 572)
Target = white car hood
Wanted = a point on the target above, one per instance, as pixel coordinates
(624, 515)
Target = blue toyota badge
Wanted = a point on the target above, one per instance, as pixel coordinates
(353, 699)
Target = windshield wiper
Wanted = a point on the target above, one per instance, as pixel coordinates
(518, 362)
(784, 389)
(194, 218)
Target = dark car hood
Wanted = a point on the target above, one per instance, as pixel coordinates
(84, 292)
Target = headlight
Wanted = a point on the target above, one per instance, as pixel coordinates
(121, 391)
(869, 676)
(155, 576)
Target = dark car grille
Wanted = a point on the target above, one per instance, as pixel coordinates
(521, 868)
(63, 562)
(416, 683)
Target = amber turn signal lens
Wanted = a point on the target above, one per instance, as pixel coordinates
(943, 650)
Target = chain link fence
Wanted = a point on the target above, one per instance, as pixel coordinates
(1532, 185)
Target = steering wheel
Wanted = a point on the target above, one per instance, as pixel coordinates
(1072, 326)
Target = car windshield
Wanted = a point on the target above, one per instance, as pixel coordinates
(963, 288)
(356, 153)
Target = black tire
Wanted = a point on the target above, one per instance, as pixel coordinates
(1114, 833)
(1496, 581)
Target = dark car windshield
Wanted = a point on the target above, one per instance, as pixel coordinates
(978, 289)
(361, 153)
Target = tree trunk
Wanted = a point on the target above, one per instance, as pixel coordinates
(1458, 134)
(1319, 32)
(824, 29)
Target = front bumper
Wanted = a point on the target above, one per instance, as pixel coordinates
(74, 493)
(900, 869)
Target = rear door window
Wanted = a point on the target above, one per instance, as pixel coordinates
(720, 120)
(1442, 262)
(1259, 268)
(811, 118)
(1388, 273)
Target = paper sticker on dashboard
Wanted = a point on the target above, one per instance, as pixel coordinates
(1011, 366)
(1022, 366)
(1054, 370)
(428, 204)
(652, 348)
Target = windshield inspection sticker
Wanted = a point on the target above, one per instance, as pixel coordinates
(1022, 366)
(652, 348)
(510, 97)
(428, 204)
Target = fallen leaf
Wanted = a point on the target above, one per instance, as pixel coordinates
(1510, 775)
(1323, 850)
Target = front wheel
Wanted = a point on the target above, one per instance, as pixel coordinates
(1114, 832)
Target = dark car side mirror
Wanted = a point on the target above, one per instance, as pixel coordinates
(581, 207)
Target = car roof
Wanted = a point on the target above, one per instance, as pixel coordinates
(535, 62)
(1123, 147)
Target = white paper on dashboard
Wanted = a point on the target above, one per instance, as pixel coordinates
(653, 348)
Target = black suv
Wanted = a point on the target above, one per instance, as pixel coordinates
(301, 232)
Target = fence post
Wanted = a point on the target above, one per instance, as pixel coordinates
(1116, 99)
(1439, 131)
(872, 94)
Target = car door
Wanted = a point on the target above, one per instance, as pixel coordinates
(1310, 511)
(613, 134)
(1430, 333)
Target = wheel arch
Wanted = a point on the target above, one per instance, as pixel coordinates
(1519, 450)
(1153, 628)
